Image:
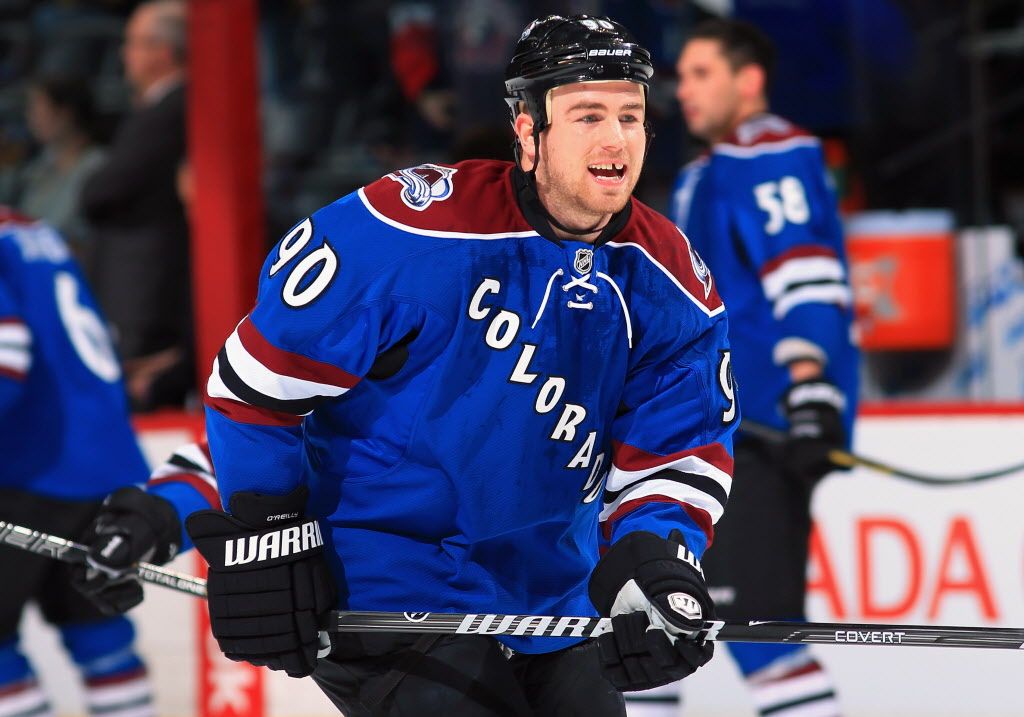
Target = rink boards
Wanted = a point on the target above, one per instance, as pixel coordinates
(884, 550)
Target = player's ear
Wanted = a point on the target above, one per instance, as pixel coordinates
(523, 127)
(751, 81)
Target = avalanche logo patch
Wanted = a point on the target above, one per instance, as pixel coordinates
(423, 185)
(584, 261)
(700, 269)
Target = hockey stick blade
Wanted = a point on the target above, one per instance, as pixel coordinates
(845, 459)
(821, 633)
(68, 551)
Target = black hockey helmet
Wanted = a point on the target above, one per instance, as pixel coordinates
(556, 50)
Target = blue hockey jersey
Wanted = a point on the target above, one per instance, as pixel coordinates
(477, 407)
(64, 428)
(760, 210)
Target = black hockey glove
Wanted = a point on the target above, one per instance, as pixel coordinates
(814, 411)
(132, 526)
(653, 589)
(268, 584)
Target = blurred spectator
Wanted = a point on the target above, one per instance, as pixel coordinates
(142, 265)
(60, 116)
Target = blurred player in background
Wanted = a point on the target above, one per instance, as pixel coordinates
(498, 388)
(144, 524)
(66, 442)
(760, 210)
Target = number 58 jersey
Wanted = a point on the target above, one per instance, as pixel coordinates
(64, 428)
(759, 209)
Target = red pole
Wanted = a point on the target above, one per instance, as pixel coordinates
(226, 219)
(224, 140)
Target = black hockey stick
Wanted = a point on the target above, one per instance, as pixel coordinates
(820, 633)
(51, 546)
(845, 459)
(546, 626)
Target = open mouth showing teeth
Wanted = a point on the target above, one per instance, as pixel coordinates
(608, 171)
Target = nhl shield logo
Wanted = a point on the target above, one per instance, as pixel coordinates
(423, 185)
(584, 261)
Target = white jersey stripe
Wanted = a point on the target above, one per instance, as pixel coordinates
(813, 294)
(677, 491)
(784, 145)
(769, 694)
(146, 710)
(18, 360)
(215, 387)
(192, 452)
(619, 478)
(674, 280)
(824, 707)
(118, 693)
(15, 334)
(261, 379)
(799, 270)
(30, 700)
(165, 470)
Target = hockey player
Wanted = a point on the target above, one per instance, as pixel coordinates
(759, 209)
(487, 387)
(66, 442)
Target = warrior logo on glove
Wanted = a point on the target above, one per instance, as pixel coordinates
(686, 605)
(274, 544)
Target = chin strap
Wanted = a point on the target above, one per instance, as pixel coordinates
(531, 180)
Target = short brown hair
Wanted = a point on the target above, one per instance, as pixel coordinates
(742, 44)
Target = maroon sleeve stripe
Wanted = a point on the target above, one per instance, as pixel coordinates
(700, 517)
(210, 495)
(12, 374)
(631, 458)
(291, 364)
(244, 413)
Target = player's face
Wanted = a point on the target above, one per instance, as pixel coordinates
(592, 151)
(708, 90)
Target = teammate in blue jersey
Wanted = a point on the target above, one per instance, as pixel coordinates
(144, 523)
(67, 443)
(760, 210)
(486, 387)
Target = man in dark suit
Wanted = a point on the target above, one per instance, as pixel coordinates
(142, 268)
